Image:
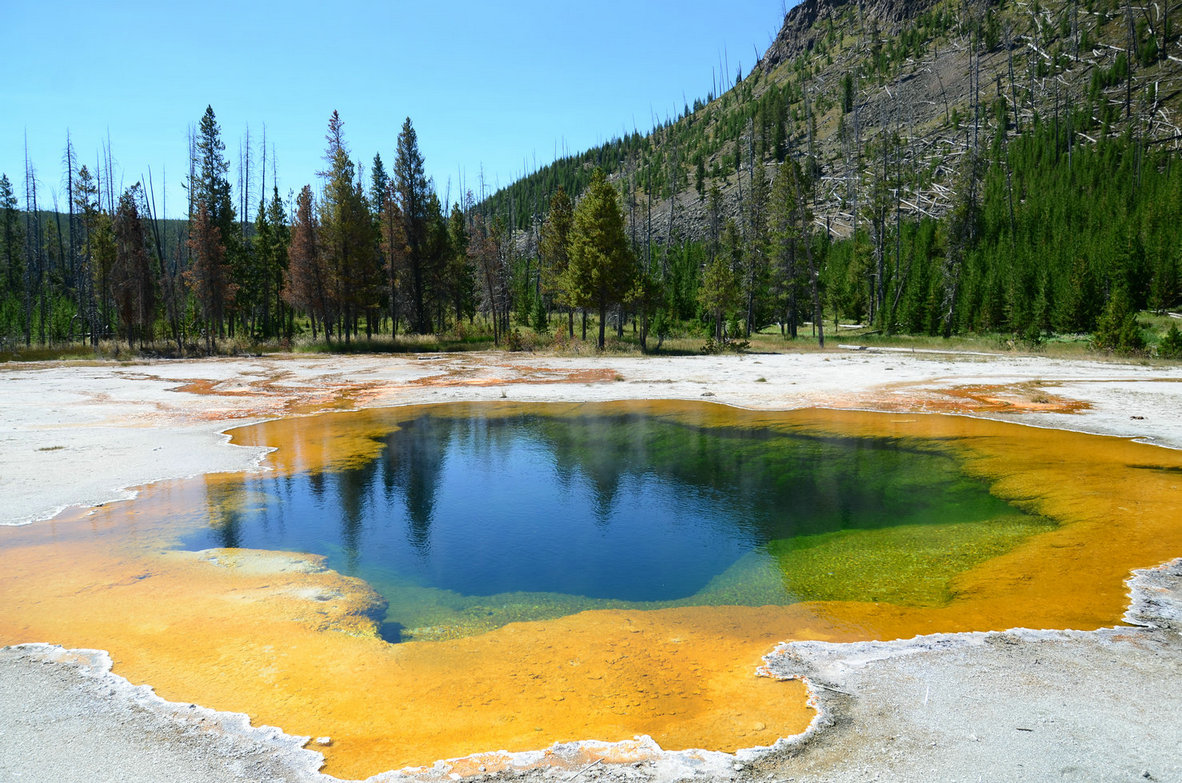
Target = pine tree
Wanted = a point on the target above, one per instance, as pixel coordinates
(260, 249)
(380, 191)
(348, 237)
(964, 225)
(306, 285)
(11, 237)
(791, 220)
(272, 236)
(602, 269)
(210, 187)
(1118, 330)
(379, 185)
(1170, 346)
(86, 204)
(553, 247)
(786, 238)
(718, 292)
(209, 191)
(484, 251)
(437, 254)
(101, 242)
(209, 276)
(132, 280)
(460, 279)
(394, 251)
(413, 188)
(755, 249)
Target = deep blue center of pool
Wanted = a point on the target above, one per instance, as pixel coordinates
(627, 507)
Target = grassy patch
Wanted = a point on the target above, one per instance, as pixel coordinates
(686, 338)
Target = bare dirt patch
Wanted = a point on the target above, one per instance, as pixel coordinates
(1024, 397)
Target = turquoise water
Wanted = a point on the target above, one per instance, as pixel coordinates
(477, 520)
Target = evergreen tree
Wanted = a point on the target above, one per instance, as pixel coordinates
(1077, 305)
(713, 222)
(484, 250)
(306, 284)
(210, 187)
(394, 252)
(379, 185)
(755, 250)
(380, 191)
(104, 257)
(133, 283)
(1170, 346)
(554, 252)
(964, 225)
(272, 236)
(86, 204)
(437, 254)
(1117, 329)
(602, 269)
(209, 191)
(209, 276)
(460, 279)
(410, 180)
(260, 250)
(718, 293)
(348, 237)
(786, 236)
(11, 237)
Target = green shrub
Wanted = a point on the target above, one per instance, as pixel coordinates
(1118, 330)
(1170, 346)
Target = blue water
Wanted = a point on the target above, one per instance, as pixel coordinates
(629, 508)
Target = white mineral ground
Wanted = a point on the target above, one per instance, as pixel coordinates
(1019, 705)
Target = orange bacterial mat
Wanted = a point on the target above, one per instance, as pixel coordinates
(279, 637)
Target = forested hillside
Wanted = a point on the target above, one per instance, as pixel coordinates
(1006, 167)
(914, 166)
(845, 82)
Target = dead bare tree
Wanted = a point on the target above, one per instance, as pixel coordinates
(674, 177)
(169, 280)
(32, 242)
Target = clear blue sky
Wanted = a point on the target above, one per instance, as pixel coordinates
(503, 86)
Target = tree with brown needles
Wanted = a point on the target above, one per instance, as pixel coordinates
(209, 276)
(131, 276)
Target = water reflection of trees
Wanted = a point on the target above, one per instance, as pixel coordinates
(762, 484)
(411, 467)
(353, 487)
(778, 484)
(223, 509)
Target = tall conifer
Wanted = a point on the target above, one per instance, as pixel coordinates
(348, 236)
(209, 190)
(602, 270)
(132, 280)
(555, 254)
(410, 180)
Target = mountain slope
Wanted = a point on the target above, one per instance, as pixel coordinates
(922, 81)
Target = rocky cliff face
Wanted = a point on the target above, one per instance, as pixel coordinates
(934, 79)
(808, 22)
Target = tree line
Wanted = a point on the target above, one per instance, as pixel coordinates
(346, 257)
(1045, 236)
(349, 257)
(1020, 253)
(373, 255)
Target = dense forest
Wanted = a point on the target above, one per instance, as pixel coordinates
(917, 168)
